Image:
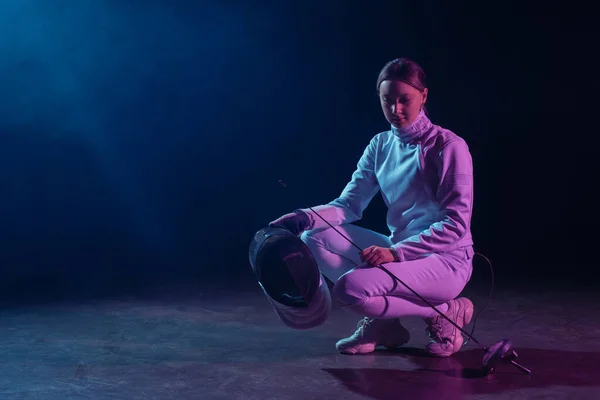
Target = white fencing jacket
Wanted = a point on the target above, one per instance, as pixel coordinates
(425, 175)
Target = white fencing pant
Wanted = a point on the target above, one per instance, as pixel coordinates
(372, 292)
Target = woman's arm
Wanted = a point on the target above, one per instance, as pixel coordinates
(355, 197)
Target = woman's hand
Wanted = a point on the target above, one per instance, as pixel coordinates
(295, 222)
(376, 255)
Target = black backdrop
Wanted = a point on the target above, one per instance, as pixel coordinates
(142, 143)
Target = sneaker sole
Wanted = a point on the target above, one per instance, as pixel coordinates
(360, 349)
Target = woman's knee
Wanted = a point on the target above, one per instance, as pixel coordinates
(313, 241)
(348, 290)
(315, 235)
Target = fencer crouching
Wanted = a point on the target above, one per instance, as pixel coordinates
(424, 173)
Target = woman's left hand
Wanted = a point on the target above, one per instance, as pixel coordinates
(376, 255)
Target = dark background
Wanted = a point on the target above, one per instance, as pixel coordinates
(141, 141)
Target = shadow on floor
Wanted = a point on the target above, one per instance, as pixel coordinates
(440, 377)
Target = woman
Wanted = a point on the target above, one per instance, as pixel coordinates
(425, 175)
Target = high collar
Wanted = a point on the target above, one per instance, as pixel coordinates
(415, 130)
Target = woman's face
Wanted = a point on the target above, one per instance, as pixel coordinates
(400, 102)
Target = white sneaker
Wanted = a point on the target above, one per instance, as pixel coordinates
(372, 333)
(445, 338)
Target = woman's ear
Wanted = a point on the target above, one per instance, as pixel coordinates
(424, 95)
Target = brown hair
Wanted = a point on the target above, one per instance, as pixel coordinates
(405, 70)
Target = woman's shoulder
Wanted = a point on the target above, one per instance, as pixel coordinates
(442, 137)
(379, 138)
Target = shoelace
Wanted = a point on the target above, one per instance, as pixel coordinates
(434, 331)
(362, 324)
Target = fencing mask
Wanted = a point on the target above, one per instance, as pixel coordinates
(289, 276)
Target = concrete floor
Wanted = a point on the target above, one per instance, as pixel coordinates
(193, 344)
